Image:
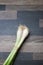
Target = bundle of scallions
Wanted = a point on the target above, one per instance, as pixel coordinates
(22, 33)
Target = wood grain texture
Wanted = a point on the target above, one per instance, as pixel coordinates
(33, 44)
(22, 2)
(8, 15)
(38, 56)
(24, 7)
(41, 23)
(6, 43)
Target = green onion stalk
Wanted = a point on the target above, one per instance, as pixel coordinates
(22, 33)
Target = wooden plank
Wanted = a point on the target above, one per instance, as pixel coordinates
(34, 45)
(38, 56)
(22, 2)
(6, 43)
(8, 15)
(41, 23)
(24, 7)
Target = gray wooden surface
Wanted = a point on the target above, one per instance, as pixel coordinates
(22, 2)
(24, 7)
(32, 49)
(25, 12)
(8, 15)
(33, 44)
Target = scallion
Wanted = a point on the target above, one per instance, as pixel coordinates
(21, 35)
